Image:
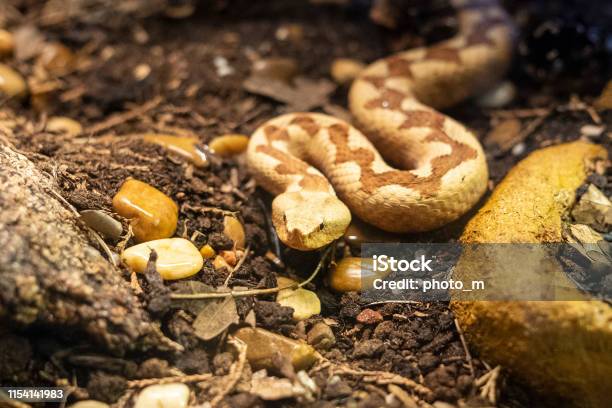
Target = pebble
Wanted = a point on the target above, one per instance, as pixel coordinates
(279, 68)
(347, 276)
(519, 149)
(290, 32)
(153, 215)
(184, 146)
(179, 11)
(345, 70)
(103, 223)
(62, 124)
(262, 347)
(177, 258)
(173, 395)
(321, 336)
(369, 316)
(89, 404)
(7, 43)
(592, 130)
(497, 97)
(233, 229)
(12, 83)
(229, 145)
(305, 303)
(207, 252)
(141, 71)
(57, 59)
(222, 66)
(219, 263)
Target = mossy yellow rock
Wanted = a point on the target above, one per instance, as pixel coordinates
(153, 215)
(562, 349)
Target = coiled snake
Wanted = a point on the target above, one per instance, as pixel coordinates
(434, 169)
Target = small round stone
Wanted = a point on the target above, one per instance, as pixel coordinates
(153, 215)
(207, 251)
(233, 229)
(12, 83)
(345, 70)
(305, 303)
(174, 395)
(177, 258)
(62, 124)
(57, 59)
(497, 97)
(185, 146)
(229, 145)
(279, 68)
(7, 43)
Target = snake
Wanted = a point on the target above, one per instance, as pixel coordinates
(404, 166)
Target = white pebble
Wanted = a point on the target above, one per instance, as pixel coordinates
(163, 396)
(223, 67)
(498, 96)
(518, 149)
(592, 130)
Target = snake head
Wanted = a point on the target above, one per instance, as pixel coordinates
(309, 220)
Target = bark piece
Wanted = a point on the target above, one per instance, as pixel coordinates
(50, 273)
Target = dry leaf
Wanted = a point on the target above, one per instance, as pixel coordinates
(593, 209)
(29, 42)
(217, 316)
(193, 306)
(304, 95)
(504, 136)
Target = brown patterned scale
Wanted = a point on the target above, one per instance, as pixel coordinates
(434, 169)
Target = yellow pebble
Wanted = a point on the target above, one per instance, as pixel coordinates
(280, 69)
(177, 258)
(233, 229)
(305, 303)
(57, 59)
(229, 145)
(207, 251)
(7, 43)
(219, 263)
(344, 70)
(61, 124)
(184, 146)
(152, 214)
(174, 395)
(353, 274)
(12, 83)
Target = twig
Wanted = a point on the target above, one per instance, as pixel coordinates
(169, 380)
(120, 118)
(235, 372)
(488, 382)
(378, 377)
(238, 265)
(468, 356)
(254, 292)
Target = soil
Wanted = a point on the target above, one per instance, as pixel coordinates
(184, 93)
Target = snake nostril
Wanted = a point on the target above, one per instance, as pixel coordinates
(321, 226)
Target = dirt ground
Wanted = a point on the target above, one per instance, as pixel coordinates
(146, 72)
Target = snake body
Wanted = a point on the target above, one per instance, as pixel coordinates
(434, 169)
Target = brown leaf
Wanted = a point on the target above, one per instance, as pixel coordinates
(194, 306)
(29, 42)
(304, 95)
(504, 136)
(217, 316)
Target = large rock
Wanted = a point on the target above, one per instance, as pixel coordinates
(560, 348)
